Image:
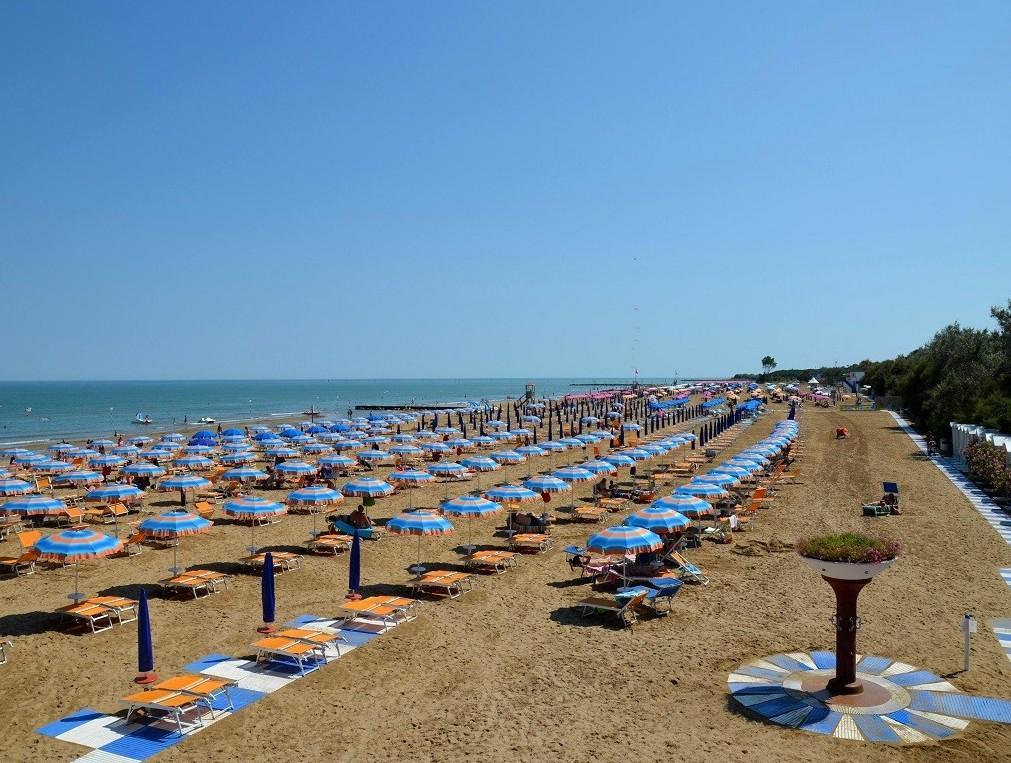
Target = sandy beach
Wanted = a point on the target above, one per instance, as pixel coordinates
(511, 670)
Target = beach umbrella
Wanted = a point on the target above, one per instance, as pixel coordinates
(598, 467)
(624, 540)
(114, 491)
(267, 599)
(420, 523)
(511, 494)
(619, 459)
(35, 505)
(546, 484)
(145, 645)
(552, 447)
(31, 458)
(734, 471)
(51, 466)
(531, 450)
(126, 450)
(659, 519)
(507, 456)
(637, 454)
(314, 497)
(182, 483)
(373, 456)
(253, 509)
(80, 477)
(405, 449)
(690, 506)
(470, 507)
(367, 487)
(482, 440)
(194, 463)
(296, 467)
(316, 448)
(243, 457)
(410, 478)
(61, 447)
(281, 451)
(341, 462)
(244, 474)
(716, 478)
(14, 452)
(75, 546)
(447, 468)
(173, 525)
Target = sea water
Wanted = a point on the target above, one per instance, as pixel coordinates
(34, 412)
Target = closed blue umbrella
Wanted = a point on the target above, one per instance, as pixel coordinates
(145, 645)
(355, 567)
(267, 600)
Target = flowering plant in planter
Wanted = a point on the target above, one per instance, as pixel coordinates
(849, 548)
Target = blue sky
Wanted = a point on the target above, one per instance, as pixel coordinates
(473, 189)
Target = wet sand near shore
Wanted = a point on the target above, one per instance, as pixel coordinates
(510, 671)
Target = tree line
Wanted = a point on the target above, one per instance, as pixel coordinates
(962, 374)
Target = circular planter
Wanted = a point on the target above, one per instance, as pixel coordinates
(848, 570)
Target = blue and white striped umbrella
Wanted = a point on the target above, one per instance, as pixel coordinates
(282, 451)
(373, 456)
(174, 524)
(703, 489)
(242, 457)
(631, 427)
(624, 540)
(589, 420)
(295, 467)
(314, 495)
(447, 468)
(406, 449)
(14, 452)
(511, 494)
(530, 451)
(530, 419)
(574, 474)
(194, 462)
(520, 432)
(245, 474)
(349, 444)
(653, 447)
(619, 459)
(35, 505)
(317, 448)
(546, 484)
(768, 451)
(410, 477)
(470, 506)
(587, 437)
(174, 437)
(502, 436)
(11, 486)
(690, 506)
(61, 447)
(659, 519)
(367, 487)
(637, 453)
(114, 491)
(198, 450)
(733, 471)
(403, 438)
(752, 467)
(140, 439)
(481, 463)
(30, 458)
(553, 447)
(251, 507)
(126, 450)
(341, 462)
(482, 440)
(376, 440)
(598, 467)
(436, 447)
(459, 442)
(495, 424)
(426, 434)
(79, 477)
(507, 456)
(76, 546)
(143, 469)
(717, 478)
(571, 442)
(52, 466)
(184, 482)
(447, 430)
(236, 447)
(419, 522)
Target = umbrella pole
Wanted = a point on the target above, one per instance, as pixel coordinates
(76, 596)
(175, 558)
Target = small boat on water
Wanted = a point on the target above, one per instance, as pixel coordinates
(142, 418)
(206, 420)
(312, 411)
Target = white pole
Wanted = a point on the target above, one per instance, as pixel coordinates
(968, 628)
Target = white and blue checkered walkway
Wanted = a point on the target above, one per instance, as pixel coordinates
(113, 740)
(990, 511)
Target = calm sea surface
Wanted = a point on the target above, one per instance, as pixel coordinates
(32, 412)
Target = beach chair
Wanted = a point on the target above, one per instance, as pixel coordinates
(284, 561)
(24, 564)
(184, 583)
(589, 513)
(106, 514)
(207, 688)
(537, 543)
(71, 516)
(204, 509)
(4, 646)
(43, 484)
(303, 655)
(9, 524)
(96, 616)
(491, 561)
(217, 580)
(688, 571)
(133, 544)
(613, 504)
(122, 606)
(314, 637)
(450, 584)
(330, 544)
(174, 704)
(391, 610)
(626, 612)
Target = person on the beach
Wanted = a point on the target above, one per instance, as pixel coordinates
(359, 519)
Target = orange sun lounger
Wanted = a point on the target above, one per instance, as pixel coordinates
(494, 561)
(451, 584)
(300, 653)
(283, 561)
(391, 610)
(536, 542)
(175, 704)
(330, 544)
